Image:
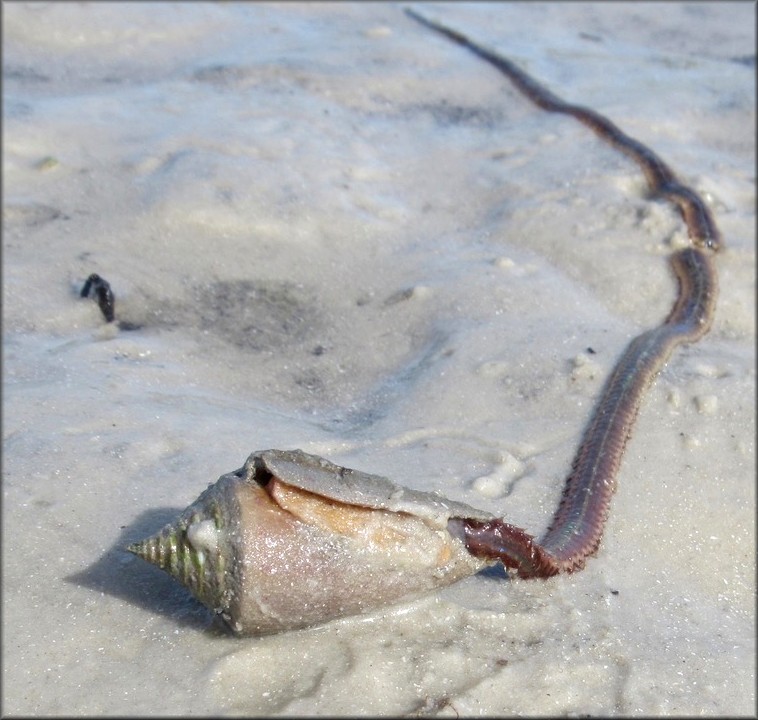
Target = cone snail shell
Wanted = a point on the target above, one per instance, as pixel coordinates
(291, 540)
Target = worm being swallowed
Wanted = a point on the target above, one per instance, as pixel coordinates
(291, 540)
(576, 529)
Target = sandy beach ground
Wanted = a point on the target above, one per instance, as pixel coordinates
(334, 230)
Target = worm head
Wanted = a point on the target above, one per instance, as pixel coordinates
(291, 540)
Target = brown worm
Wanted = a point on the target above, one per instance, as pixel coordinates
(660, 177)
(577, 526)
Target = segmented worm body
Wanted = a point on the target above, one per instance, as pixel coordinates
(577, 526)
(660, 177)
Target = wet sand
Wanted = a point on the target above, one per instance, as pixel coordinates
(331, 229)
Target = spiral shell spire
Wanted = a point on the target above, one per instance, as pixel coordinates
(189, 549)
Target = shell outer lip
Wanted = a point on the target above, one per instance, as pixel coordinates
(354, 487)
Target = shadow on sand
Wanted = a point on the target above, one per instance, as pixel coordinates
(119, 573)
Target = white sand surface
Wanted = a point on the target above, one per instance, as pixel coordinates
(340, 232)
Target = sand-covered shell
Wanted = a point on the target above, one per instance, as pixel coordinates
(291, 540)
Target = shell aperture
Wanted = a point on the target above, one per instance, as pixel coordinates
(291, 540)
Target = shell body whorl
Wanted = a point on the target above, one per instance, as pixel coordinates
(290, 540)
